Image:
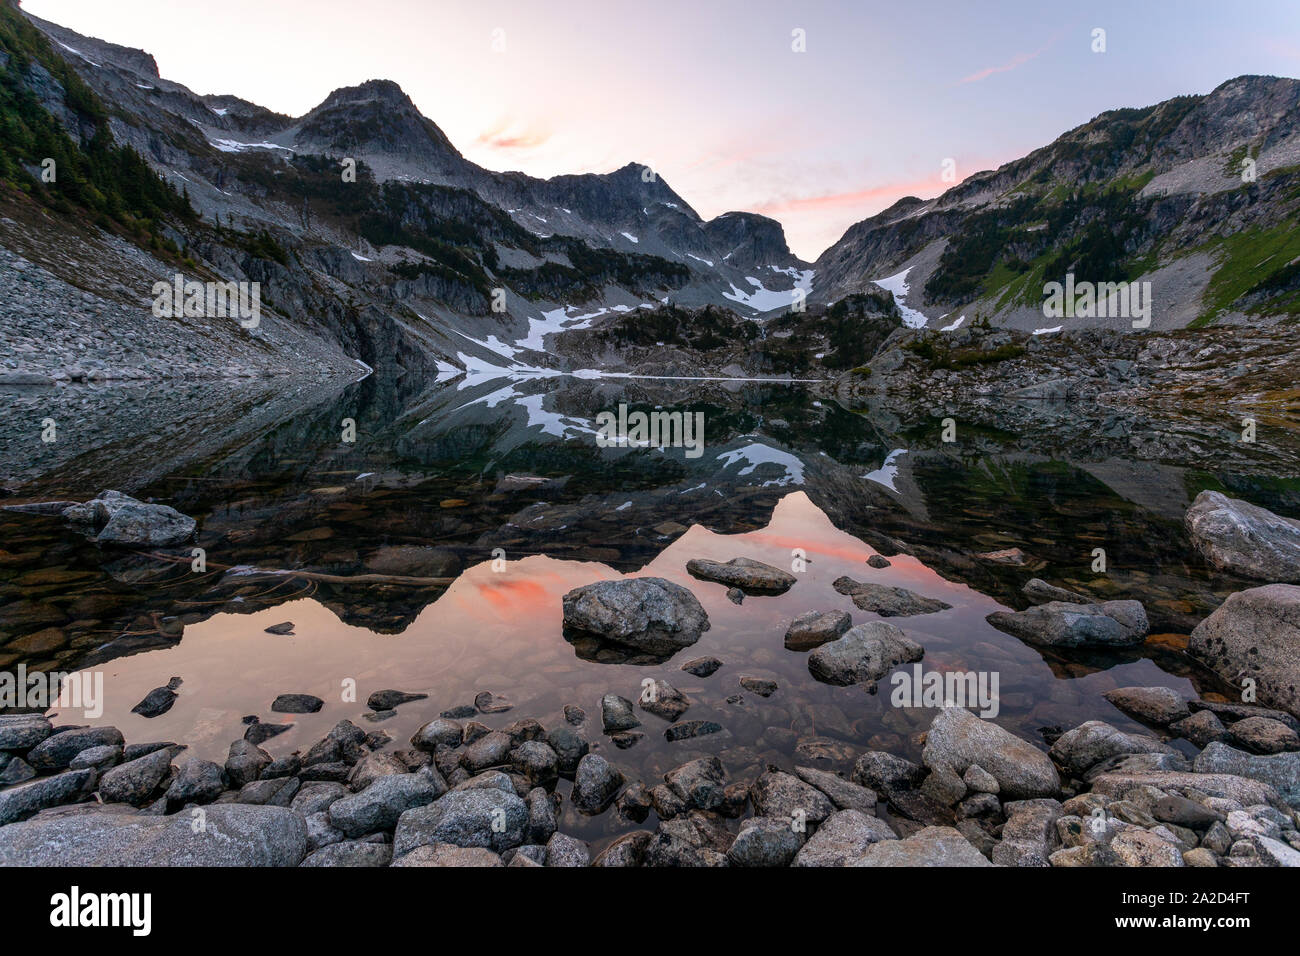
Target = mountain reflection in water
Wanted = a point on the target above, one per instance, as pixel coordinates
(453, 474)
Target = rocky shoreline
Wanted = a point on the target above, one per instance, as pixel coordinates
(1215, 782)
(462, 794)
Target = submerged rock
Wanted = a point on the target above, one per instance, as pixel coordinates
(1243, 538)
(1255, 634)
(888, 601)
(750, 576)
(1039, 591)
(646, 614)
(702, 666)
(1058, 624)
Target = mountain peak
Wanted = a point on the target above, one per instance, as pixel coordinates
(383, 92)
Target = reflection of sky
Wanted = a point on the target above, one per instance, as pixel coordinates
(711, 94)
(503, 632)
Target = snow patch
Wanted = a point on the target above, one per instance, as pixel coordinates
(897, 284)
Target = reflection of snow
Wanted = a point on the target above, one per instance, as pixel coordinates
(763, 299)
(897, 284)
(886, 473)
(550, 422)
(758, 454)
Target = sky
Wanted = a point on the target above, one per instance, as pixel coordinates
(884, 99)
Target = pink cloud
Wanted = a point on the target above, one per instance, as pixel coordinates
(1020, 59)
(508, 135)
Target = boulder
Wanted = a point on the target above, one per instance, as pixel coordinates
(57, 750)
(595, 784)
(647, 614)
(126, 522)
(842, 793)
(786, 797)
(230, 834)
(1279, 771)
(484, 817)
(842, 838)
(1236, 536)
(750, 576)
(887, 601)
(1153, 705)
(351, 853)
(1255, 634)
(1077, 750)
(815, 628)
(958, 739)
(1059, 624)
(448, 854)
(380, 805)
(135, 781)
(866, 652)
(21, 732)
(932, 846)
(765, 842)
(20, 802)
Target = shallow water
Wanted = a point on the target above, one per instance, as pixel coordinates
(785, 474)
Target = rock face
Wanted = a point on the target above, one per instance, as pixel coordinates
(1059, 624)
(1243, 538)
(866, 652)
(933, 846)
(1256, 634)
(231, 834)
(648, 614)
(752, 577)
(958, 740)
(888, 601)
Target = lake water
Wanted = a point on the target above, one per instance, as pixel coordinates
(500, 486)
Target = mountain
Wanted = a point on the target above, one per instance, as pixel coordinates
(425, 262)
(1198, 195)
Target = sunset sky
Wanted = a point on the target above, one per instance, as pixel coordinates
(710, 92)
